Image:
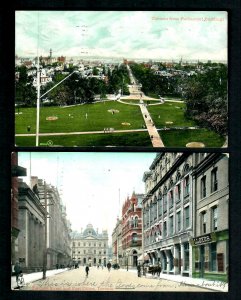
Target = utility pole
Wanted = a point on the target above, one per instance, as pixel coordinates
(45, 233)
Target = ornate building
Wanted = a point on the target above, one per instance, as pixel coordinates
(132, 230)
(89, 246)
(185, 213)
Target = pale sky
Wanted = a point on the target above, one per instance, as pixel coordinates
(125, 34)
(91, 183)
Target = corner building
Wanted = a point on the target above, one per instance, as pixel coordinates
(131, 230)
(185, 214)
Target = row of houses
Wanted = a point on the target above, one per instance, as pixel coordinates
(181, 223)
(39, 224)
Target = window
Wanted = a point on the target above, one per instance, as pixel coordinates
(73, 244)
(136, 222)
(94, 251)
(186, 186)
(204, 221)
(171, 225)
(164, 228)
(99, 244)
(186, 256)
(214, 180)
(214, 218)
(203, 187)
(78, 244)
(178, 192)
(155, 210)
(84, 251)
(165, 203)
(99, 252)
(84, 244)
(134, 237)
(179, 221)
(213, 258)
(160, 205)
(187, 216)
(89, 244)
(170, 199)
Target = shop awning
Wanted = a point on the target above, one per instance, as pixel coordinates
(145, 257)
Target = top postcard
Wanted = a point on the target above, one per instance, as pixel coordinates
(121, 79)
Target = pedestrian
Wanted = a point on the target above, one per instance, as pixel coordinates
(109, 266)
(17, 270)
(28, 128)
(139, 270)
(87, 271)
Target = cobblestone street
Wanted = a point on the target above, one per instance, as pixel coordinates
(102, 280)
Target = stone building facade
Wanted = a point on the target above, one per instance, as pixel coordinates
(117, 251)
(16, 171)
(131, 230)
(186, 194)
(32, 225)
(211, 237)
(58, 227)
(168, 213)
(32, 245)
(90, 247)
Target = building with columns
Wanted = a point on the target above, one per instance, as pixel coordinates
(89, 246)
(186, 199)
(132, 230)
(39, 206)
(32, 225)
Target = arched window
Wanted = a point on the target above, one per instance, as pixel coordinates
(136, 222)
(134, 238)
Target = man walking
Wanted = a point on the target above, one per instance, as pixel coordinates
(17, 270)
(139, 270)
(87, 270)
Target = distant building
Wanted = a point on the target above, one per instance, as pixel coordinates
(132, 230)
(90, 247)
(61, 59)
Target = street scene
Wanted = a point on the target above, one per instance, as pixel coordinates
(137, 78)
(116, 221)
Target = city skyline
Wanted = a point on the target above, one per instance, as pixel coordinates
(90, 183)
(186, 35)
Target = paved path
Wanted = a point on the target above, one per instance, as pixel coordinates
(154, 135)
(81, 132)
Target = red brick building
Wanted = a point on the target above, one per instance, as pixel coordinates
(132, 230)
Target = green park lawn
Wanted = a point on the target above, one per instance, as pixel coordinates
(73, 119)
(91, 140)
(169, 112)
(179, 138)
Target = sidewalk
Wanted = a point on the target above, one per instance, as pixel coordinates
(214, 285)
(35, 276)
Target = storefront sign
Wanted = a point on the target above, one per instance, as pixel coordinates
(204, 239)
